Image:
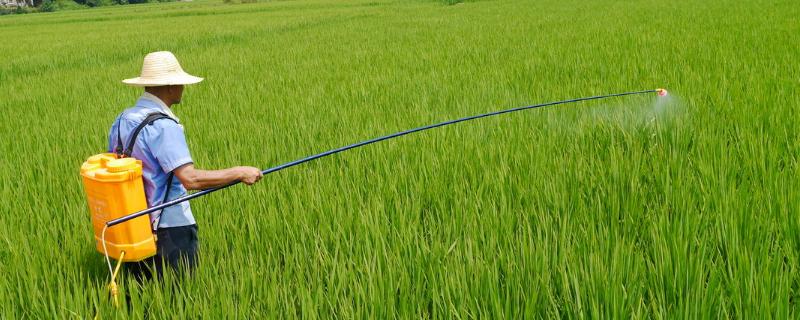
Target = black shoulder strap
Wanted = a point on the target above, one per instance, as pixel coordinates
(118, 148)
(150, 119)
(166, 198)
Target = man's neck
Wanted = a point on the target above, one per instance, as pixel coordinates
(161, 98)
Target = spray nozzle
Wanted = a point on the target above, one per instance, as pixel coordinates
(661, 92)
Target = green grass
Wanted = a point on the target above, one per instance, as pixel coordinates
(623, 208)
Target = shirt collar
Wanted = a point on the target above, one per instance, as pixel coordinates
(163, 106)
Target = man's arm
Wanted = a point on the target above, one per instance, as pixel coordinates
(196, 179)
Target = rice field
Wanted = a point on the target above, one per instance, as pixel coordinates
(634, 207)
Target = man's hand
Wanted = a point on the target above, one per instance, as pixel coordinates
(249, 175)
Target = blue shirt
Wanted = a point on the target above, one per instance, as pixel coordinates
(162, 148)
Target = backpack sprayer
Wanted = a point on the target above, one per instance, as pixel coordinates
(114, 188)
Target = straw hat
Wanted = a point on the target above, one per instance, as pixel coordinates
(161, 69)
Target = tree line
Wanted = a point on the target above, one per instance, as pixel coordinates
(29, 6)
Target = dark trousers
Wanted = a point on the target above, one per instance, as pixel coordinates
(176, 248)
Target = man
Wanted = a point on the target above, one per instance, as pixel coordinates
(161, 146)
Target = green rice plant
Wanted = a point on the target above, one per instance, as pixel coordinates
(624, 208)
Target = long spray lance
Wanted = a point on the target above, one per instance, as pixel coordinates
(111, 223)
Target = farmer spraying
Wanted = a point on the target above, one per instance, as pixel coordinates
(150, 132)
(137, 191)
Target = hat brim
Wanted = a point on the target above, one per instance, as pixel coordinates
(171, 80)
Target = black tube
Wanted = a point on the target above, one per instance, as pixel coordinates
(117, 221)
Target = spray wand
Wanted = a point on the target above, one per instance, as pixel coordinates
(111, 223)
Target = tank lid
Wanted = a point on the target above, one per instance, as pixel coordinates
(120, 165)
(101, 158)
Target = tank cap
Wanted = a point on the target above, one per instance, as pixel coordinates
(101, 158)
(120, 165)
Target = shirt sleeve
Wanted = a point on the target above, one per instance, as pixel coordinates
(168, 145)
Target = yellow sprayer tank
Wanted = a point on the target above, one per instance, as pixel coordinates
(114, 188)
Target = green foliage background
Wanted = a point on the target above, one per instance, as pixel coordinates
(622, 208)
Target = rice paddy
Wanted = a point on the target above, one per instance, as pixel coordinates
(633, 207)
